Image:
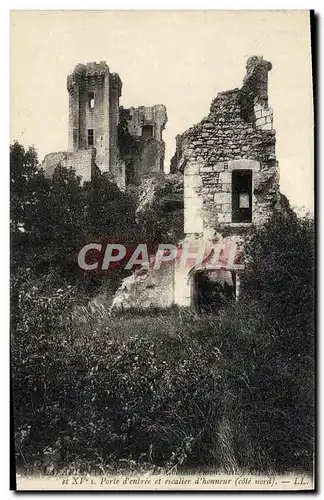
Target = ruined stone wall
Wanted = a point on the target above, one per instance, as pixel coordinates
(73, 128)
(155, 116)
(114, 94)
(148, 157)
(86, 78)
(237, 134)
(81, 161)
(93, 83)
(152, 156)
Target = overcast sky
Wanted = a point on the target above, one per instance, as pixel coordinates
(178, 58)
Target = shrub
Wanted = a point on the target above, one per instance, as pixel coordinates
(272, 332)
(97, 399)
(197, 391)
(269, 396)
(173, 389)
(280, 271)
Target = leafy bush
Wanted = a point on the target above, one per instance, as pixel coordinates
(269, 392)
(52, 219)
(195, 391)
(280, 271)
(276, 321)
(99, 398)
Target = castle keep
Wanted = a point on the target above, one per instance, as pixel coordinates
(94, 114)
(93, 142)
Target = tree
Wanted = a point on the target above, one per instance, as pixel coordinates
(27, 183)
(269, 347)
(280, 270)
(52, 219)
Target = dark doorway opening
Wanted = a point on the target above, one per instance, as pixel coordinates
(213, 290)
(242, 196)
(90, 137)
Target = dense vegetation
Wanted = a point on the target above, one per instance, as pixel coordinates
(97, 393)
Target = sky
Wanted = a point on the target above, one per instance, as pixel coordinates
(181, 59)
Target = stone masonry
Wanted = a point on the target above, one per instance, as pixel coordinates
(147, 125)
(236, 135)
(231, 183)
(93, 106)
(94, 94)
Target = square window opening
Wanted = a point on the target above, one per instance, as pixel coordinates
(147, 131)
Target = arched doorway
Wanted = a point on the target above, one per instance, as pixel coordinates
(213, 289)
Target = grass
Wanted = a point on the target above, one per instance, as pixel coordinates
(165, 389)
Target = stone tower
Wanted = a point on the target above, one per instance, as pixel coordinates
(93, 112)
(93, 144)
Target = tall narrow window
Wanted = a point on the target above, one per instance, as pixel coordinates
(90, 137)
(242, 196)
(91, 100)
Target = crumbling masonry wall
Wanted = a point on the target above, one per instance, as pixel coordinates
(83, 161)
(93, 105)
(146, 125)
(237, 134)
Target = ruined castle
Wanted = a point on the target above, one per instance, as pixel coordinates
(94, 117)
(230, 184)
(226, 165)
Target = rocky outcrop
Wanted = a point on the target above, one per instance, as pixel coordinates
(145, 289)
(160, 191)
